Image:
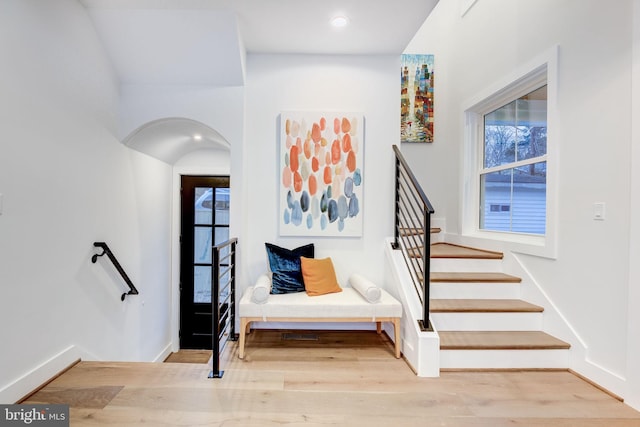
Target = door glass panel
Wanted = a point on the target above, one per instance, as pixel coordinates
(203, 205)
(222, 206)
(222, 235)
(225, 281)
(201, 284)
(202, 245)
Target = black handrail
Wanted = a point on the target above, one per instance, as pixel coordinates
(112, 257)
(223, 301)
(412, 230)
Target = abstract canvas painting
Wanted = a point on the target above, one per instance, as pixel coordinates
(416, 98)
(321, 174)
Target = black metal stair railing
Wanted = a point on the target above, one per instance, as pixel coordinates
(111, 256)
(223, 301)
(412, 231)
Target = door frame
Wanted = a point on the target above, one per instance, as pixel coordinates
(217, 168)
(193, 314)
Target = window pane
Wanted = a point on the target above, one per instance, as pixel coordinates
(529, 199)
(222, 206)
(500, 136)
(495, 192)
(222, 235)
(202, 245)
(515, 200)
(203, 205)
(532, 124)
(201, 284)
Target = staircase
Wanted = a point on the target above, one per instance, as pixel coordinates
(476, 309)
(481, 322)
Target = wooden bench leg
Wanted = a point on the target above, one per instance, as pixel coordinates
(244, 326)
(379, 327)
(396, 330)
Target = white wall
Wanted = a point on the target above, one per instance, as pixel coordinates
(221, 109)
(633, 352)
(277, 83)
(589, 280)
(66, 182)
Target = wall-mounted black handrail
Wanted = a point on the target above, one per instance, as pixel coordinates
(223, 301)
(412, 230)
(107, 251)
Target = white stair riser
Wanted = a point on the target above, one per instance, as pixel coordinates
(487, 321)
(437, 237)
(466, 265)
(442, 290)
(504, 359)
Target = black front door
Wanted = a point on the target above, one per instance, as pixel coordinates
(205, 223)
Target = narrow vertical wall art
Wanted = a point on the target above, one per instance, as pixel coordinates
(416, 98)
(321, 174)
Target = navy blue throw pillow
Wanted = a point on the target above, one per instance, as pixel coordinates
(285, 266)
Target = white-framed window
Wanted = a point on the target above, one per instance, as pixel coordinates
(509, 160)
(513, 176)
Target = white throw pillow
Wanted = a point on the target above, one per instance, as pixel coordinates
(261, 289)
(365, 287)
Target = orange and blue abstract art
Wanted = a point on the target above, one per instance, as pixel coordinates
(321, 188)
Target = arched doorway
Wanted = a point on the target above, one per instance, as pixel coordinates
(199, 152)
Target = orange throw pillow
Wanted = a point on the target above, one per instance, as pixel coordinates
(319, 276)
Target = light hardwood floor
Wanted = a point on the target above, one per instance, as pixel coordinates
(340, 379)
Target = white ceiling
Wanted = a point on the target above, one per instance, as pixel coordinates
(205, 42)
(202, 42)
(169, 139)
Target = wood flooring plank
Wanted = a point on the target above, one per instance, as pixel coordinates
(189, 356)
(331, 386)
(79, 397)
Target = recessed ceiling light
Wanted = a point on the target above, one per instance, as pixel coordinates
(339, 21)
(197, 137)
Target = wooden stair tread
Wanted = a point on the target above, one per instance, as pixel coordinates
(470, 277)
(500, 340)
(483, 306)
(448, 250)
(473, 277)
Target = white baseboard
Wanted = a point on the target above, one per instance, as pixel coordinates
(600, 376)
(31, 380)
(164, 353)
(35, 378)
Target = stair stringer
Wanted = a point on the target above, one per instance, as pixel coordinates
(420, 349)
(555, 323)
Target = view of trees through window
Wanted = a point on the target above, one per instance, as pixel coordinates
(514, 174)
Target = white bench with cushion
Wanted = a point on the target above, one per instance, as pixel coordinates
(362, 302)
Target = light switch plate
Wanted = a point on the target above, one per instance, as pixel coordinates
(598, 211)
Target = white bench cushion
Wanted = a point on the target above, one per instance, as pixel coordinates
(346, 304)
